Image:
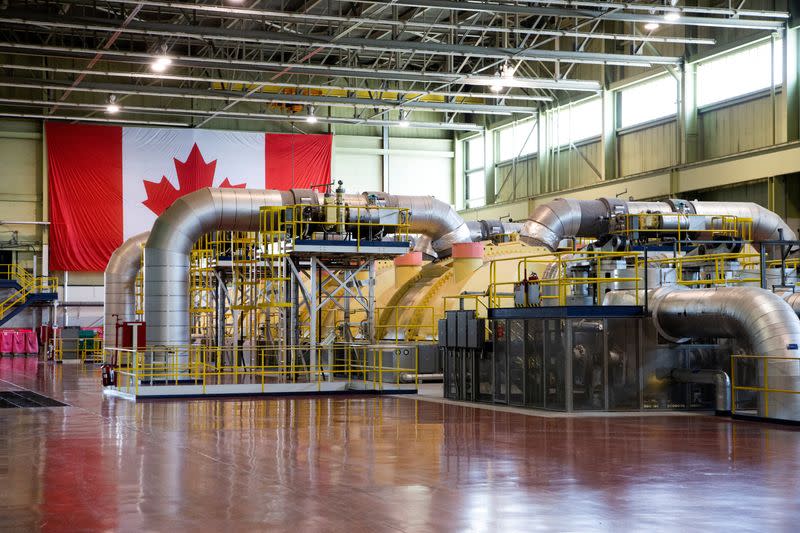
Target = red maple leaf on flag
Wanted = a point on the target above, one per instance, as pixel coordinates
(193, 174)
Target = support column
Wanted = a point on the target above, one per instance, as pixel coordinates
(609, 138)
(488, 165)
(790, 105)
(687, 116)
(385, 159)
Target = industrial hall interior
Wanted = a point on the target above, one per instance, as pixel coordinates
(403, 265)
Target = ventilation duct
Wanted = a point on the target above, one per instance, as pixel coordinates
(562, 218)
(119, 302)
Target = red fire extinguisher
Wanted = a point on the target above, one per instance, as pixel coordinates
(109, 376)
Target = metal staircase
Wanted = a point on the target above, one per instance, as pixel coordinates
(25, 290)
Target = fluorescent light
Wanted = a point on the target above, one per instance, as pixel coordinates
(533, 83)
(672, 16)
(161, 63)
(651, 26)
(496, 87)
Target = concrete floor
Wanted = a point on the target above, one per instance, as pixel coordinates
(376, 464)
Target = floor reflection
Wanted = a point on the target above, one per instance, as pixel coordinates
(373, 464)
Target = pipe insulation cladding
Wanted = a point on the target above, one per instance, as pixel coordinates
(563, 218)
(763, 320)
(166, 265)
(119, 282)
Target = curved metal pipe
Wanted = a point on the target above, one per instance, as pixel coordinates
(119, 281)
(793, 299)
(431, 217)
(761, 318)
(561, 218)
(718, 378)
(188, 218)
(166, 259)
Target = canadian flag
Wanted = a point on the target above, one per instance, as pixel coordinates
(107, 183)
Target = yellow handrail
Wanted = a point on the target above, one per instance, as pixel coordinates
(763, 391)
(364, 364)
(28, 285)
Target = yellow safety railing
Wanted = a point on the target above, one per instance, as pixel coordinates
(373, 365)
(28, 283)
(86, 350)
(764, 377)
(479, 304)
(363, 223)
(713, 267)
(558, 286)
(681, 225)
(421, 326)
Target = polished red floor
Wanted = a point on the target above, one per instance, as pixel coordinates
(376, 464)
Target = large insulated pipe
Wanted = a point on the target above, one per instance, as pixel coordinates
(563, 218)
(176, 230)
(760, 318)
(436, 219)
(119, 301)
(166, 259)
(793, 299)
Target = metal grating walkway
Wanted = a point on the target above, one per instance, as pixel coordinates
(26, 399)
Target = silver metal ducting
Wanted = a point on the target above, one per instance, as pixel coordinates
(119, 279)
(174, 233)
(718, 378)
(793, 299)
(760, 318)
(166, 259)
(482, 230)
(551, 222)
(561, 218)
(436, 219)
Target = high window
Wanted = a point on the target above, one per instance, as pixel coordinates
(474, 172)
(578, 122)
(647, 101)
(517, 141)
(739, 73)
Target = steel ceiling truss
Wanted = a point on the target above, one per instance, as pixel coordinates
(375, 58)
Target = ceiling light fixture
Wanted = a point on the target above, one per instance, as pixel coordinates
(311, 118)
(672, 16)
(160, 63)
(404, 123)
(503, 78)
(652, 26)
(112, 106)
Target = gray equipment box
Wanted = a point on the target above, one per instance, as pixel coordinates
(476, 333)
(462, 321)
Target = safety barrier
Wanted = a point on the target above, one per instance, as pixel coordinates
(371, 366)
(557, 287)
(420, 326)
(765, 385)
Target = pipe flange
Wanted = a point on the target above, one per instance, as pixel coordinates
(661, 292)
(681, 206)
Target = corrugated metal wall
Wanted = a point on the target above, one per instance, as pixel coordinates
(739, 127)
